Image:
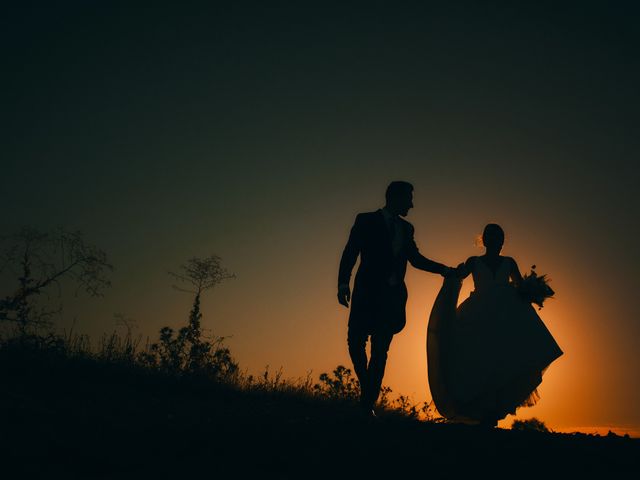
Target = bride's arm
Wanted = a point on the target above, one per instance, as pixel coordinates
(515, 275)
(464, 269)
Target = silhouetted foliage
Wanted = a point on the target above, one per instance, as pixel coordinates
(402, 403)
(40, 260)
(183, 352)
(116, 347)
(530, 424)
(342, 385)
(187, 350)
(201, 273)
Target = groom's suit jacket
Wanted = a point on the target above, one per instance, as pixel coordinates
(379, 293)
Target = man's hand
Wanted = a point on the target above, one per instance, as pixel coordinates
(344, 295)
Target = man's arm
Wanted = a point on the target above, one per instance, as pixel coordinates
(348, 260)
(417, 260)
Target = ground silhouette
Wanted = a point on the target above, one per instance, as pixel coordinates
(80, 418)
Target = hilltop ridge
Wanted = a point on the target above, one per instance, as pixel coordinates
(77, 418)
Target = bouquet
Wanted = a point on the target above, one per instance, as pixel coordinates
(535, 288)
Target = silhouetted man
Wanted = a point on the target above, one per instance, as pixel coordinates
(384, 242)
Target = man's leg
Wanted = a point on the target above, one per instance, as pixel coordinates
(380, 343)
(357, 341)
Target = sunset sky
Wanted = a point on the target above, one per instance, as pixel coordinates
(258, 132)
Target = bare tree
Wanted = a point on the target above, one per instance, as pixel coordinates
(198, 275)
(40, 261)
(201, 274)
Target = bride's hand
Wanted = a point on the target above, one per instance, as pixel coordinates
(461, 271)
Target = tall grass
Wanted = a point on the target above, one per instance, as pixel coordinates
(171, 358)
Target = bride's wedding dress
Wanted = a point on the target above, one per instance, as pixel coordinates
(487, 356)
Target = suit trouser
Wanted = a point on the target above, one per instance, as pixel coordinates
(369, 373)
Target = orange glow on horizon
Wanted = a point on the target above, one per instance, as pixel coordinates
(285, 314)
(574, 387)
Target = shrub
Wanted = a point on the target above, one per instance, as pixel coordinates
(530, 424)
(341, 386)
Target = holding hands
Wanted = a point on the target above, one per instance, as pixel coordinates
(449, 272)
(459, 272)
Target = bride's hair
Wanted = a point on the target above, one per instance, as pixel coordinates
(493, 234)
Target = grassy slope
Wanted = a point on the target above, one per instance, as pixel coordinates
(82, 419)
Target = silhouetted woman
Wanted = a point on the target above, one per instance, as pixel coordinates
(486, 358)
